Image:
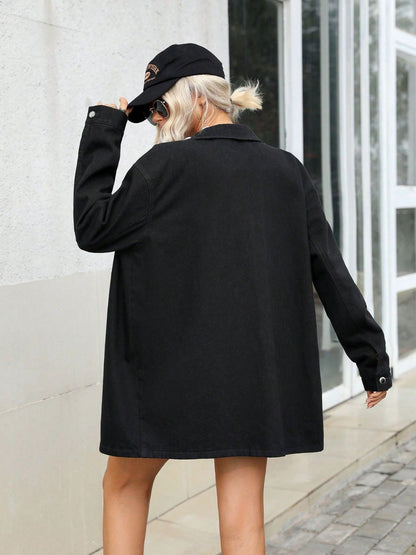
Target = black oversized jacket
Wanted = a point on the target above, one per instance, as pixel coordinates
(211, 339)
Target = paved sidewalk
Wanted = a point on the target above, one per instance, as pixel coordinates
(375, 513)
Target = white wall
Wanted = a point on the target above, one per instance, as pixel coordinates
(56, 59)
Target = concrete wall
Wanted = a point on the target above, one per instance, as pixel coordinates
(58, 58)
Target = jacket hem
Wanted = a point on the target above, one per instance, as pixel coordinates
(148, 452)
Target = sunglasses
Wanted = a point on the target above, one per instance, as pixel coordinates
(160, 107)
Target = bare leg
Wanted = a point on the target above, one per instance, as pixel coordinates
(240, 490)
(127, 487)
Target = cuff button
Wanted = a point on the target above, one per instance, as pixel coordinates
(92, 114)
(382, 379)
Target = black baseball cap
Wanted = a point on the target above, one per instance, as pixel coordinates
(167, 67)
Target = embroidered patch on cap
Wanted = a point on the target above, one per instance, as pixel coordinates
(151, 71)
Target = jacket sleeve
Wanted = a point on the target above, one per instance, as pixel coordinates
(103, 221)
(359, 334)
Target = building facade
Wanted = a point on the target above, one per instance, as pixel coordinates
(339, 83)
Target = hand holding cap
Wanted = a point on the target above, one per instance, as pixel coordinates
(123, 105)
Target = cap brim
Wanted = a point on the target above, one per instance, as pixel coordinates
(141, 102)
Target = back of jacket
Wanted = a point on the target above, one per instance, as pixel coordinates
(218, 241)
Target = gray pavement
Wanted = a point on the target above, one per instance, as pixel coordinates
(375, 513)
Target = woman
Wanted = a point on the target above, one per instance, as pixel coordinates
(211, 342)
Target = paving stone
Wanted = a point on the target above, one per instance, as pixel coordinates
(358, 491)
(298, 540)
(292, 539)
(403, 457)
(389, 488)
(388, 467)
(355, 545)
(393, 511)
(356, 516)
(317, 523)
(277, 540)
(317, 548)
(411, 550)
(372, 501)
(412, 463)
(411, 445)
(404, 474)
(340, 506)
(395, 543)
(376, 528)
(372, 479)
(336, 533)
(407, 497)
(408, 525)
(346, 499)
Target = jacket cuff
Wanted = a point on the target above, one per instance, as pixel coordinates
(383, 375)
(106, 115)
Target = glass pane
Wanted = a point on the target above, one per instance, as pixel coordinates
(320, 118)
(406, 122)
(255, 28)
(406, 15)
(375, 158)
(406, 241)
(357, 143)
(406, 313)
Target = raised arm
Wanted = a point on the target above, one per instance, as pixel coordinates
(103, 221)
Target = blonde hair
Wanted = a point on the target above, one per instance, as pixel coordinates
(182, 99)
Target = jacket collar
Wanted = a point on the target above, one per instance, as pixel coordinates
(237, 131)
